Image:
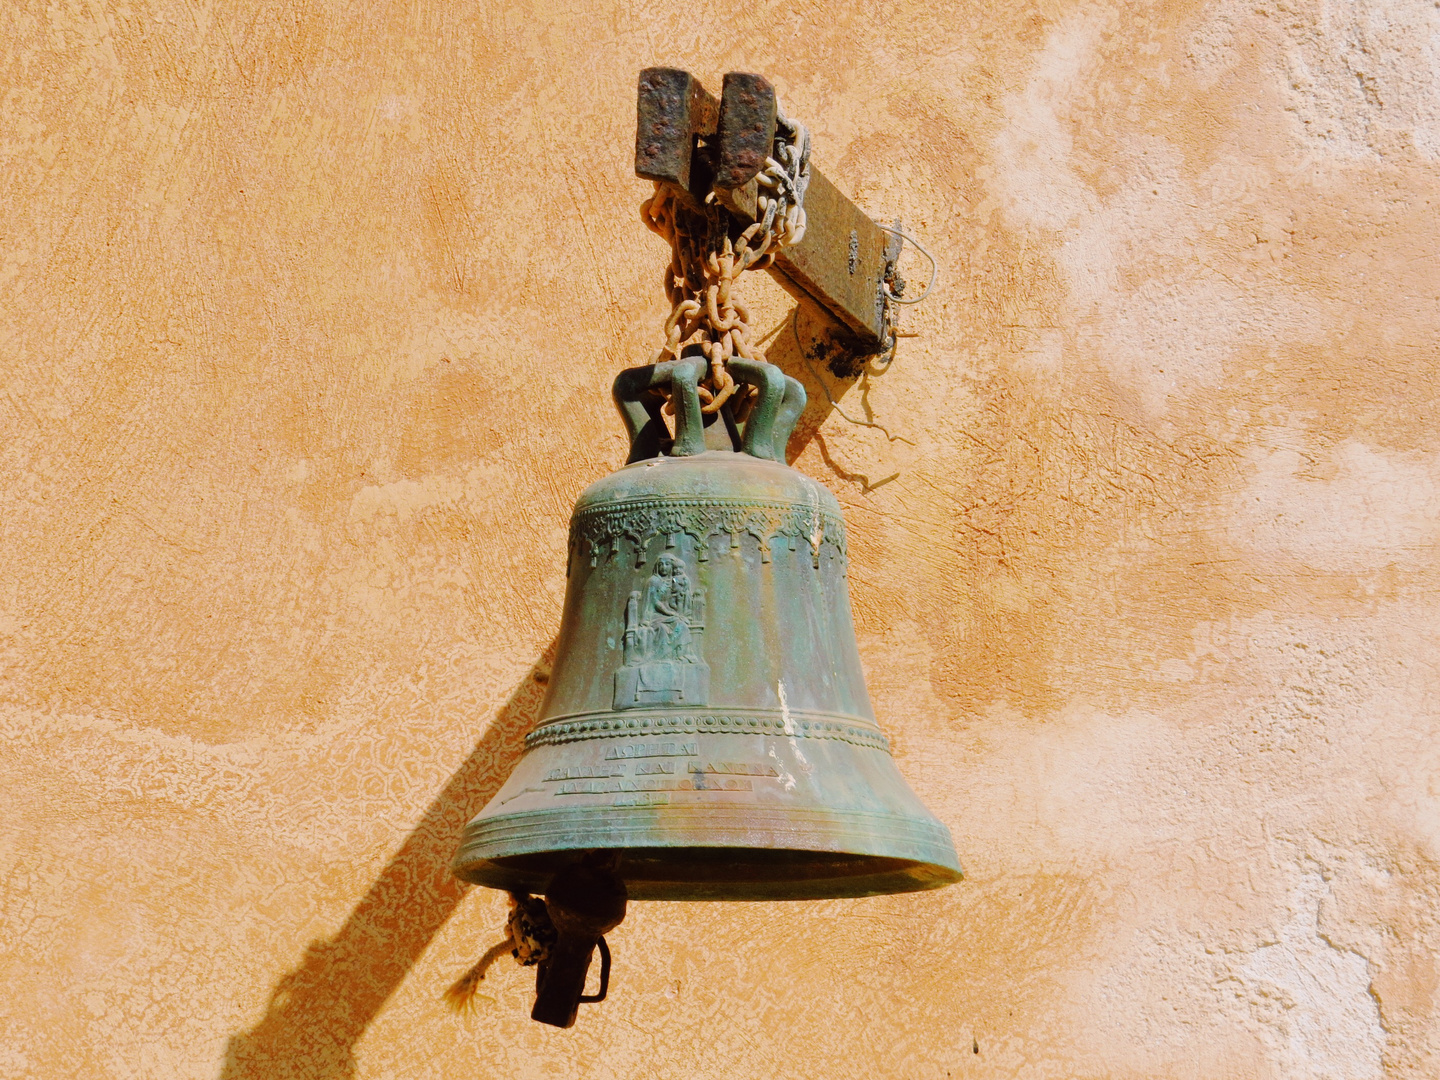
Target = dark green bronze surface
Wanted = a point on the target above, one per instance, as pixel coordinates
(707, 714)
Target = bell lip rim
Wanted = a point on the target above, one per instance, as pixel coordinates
(461, 868)
(748, 818)
(913, 875)
(921, 842)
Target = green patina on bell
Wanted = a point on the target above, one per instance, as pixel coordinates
(707, 719)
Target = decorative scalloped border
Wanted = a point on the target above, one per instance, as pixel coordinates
(809, 726)
(596, 530)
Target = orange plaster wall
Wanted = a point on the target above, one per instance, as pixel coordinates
(308, 318)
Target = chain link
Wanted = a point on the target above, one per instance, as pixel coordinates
(705, 261)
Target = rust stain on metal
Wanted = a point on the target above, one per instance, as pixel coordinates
(844, 256)
(746, 130)
(672, 110)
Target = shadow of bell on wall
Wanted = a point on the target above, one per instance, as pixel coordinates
(319, 1011)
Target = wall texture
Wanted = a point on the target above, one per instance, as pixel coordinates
(308, 317)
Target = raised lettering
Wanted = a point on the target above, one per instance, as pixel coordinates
(735, 768)
(580, 772)
(646, 750)
(696, 782)
(644, 798)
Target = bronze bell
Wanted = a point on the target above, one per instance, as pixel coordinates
(707, 726)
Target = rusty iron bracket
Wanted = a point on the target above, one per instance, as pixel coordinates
(687, 139)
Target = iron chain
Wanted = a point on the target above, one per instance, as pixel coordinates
(705, 262)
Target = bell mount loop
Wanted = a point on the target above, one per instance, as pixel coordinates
(765, 433)
(782, 400)
(640, 409)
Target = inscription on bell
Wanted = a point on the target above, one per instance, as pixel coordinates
(582, 772)
(704, 783)
(663, 629)
(695, 782)
(739, 768)
(732, 768)
(643, 798)
(651, 749)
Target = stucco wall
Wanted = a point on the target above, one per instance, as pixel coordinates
(308, 318)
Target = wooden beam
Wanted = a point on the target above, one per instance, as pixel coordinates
(688, 140)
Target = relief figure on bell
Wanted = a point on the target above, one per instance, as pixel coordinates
(662, 665)
(666, 618)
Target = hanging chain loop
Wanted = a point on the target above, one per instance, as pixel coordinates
(706, 261)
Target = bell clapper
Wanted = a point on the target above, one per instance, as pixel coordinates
(586, 900)
(558, 935)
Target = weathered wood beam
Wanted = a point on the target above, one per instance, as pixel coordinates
(687, 139)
